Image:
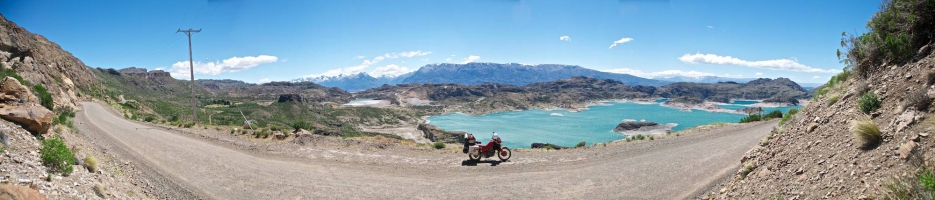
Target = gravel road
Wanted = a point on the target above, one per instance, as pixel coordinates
(670, 168)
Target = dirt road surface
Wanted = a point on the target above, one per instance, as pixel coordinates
(671, 168)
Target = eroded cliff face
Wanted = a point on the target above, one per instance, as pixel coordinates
(41, 61)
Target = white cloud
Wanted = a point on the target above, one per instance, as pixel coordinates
(779, 64)
(263, 80)
(711, 27)
(367, 63)
(407, 54)
(816, 77)
(564, 38)
(660, 74)
(284, 60)
(470, 59)
(620, 41)
(233, 64)
(447, 59)
(759, 74)
(390, 70)
(425, 59)
(359, 57)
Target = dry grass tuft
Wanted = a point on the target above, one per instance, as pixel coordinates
(90, 163)
(866, 133)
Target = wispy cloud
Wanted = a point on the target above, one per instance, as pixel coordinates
(659, 74)
(564, 38)
(263, 80)
(620, 41)
(359, 57)
(367, 63)
(470, 59)
(759, 74)
(390, 70)
(816, 77)
(711, 27)
(778, 64)
(233, 64)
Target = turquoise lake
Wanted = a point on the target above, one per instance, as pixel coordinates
(519, 129)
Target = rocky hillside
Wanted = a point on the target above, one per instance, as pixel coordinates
(773, 90)
(43, 62)
(868, 134)
(574, 92)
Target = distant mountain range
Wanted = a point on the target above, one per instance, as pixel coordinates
(509, 73)
(704, 79)
(478, 73)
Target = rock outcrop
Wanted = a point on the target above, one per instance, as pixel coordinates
(751, 110)
(36, 119)
(436, 134)
(544, 145)
(635, 127)
(19, 105)
(41, 61)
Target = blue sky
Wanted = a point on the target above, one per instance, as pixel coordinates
(258, 41)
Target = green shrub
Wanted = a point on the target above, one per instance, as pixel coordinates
(439, 145)
(920, 186)
(57, 156)
(896, 31)
(90, 163)
(868, 102)
(581, 144)
(917, 100)
(299, 124)
(866, 134)
(548, 147)
(751, 118)
(788, 116)
(772, 115)
(651, 137)
(45, 98)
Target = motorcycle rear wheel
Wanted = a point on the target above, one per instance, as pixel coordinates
(504, 154)
(474, 157)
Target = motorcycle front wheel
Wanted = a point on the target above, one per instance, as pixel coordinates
(474, 157)
(505, 154)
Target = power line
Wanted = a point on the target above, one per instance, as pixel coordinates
(191, 66)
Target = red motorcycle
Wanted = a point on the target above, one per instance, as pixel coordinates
(475, 150)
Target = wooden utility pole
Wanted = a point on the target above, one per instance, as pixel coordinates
(191, 67)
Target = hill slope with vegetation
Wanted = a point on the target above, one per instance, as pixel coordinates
(868, 132)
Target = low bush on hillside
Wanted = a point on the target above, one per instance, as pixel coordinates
(868, 102)
(441, 145)
(772, 115)
(895, 33)
(581, 144)
(45, 98)
(751, 118)
(299, 124)
(765, 117)
(866, 134)
(920, 186)
(90, 163)
(788, 116)
(57, 156)
(917, 100)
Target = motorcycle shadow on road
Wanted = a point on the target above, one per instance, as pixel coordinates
(493, 163)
